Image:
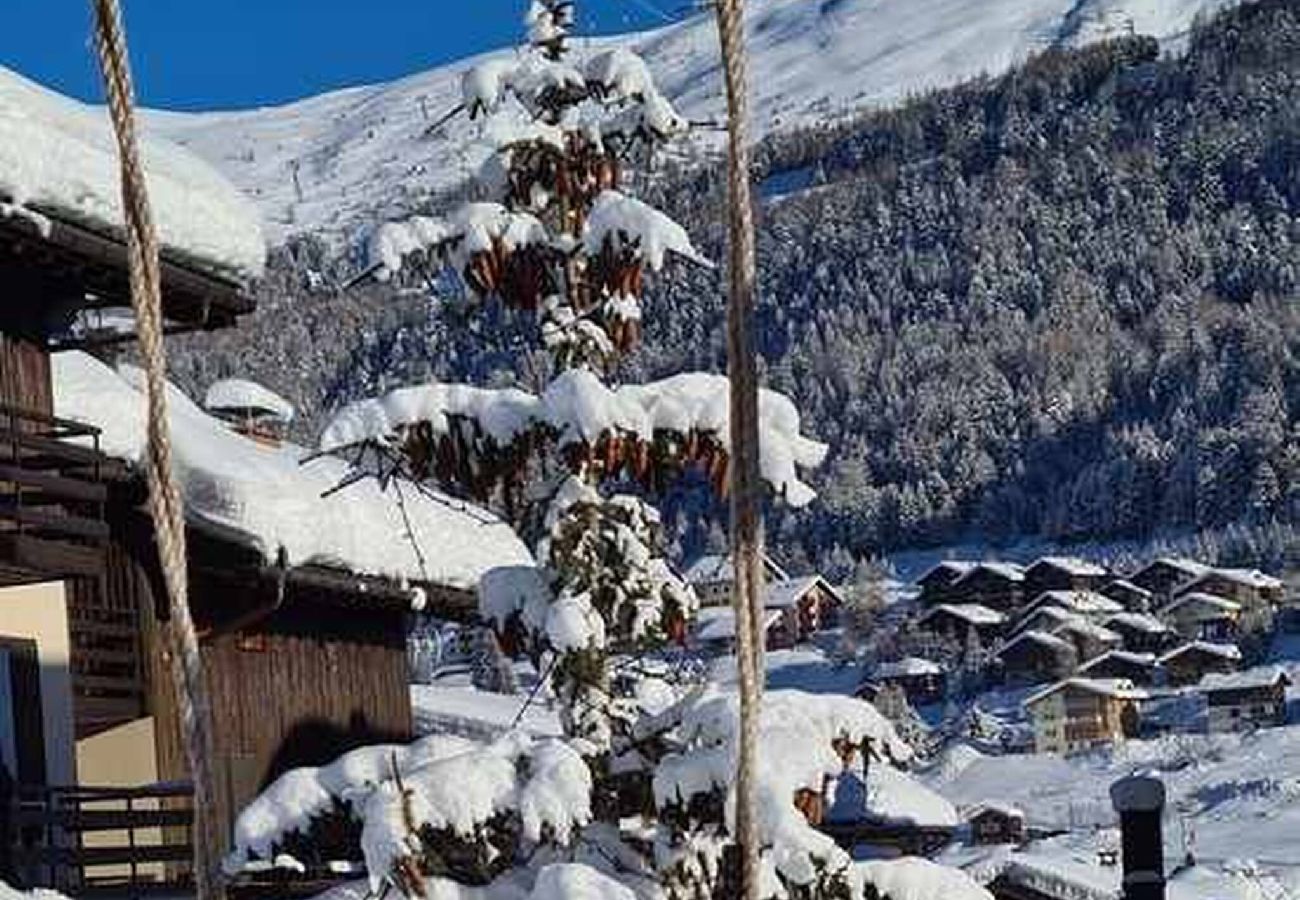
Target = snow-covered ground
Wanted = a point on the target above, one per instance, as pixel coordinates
(337, 163)
(463, 710)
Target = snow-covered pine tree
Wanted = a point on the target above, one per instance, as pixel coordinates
(637, 795)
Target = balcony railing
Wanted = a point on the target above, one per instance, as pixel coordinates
(52, 497)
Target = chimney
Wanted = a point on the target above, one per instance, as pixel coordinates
(1140, 802)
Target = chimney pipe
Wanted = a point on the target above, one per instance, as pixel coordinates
(1140, 802)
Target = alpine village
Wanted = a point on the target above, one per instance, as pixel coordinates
(771, 450)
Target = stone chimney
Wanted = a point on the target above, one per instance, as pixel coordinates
(1140, 802)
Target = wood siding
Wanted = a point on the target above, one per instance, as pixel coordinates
(25, 374)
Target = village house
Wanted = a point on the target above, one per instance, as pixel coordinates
(807, 604)
(936, 582)
(996, 585)
(712, 577)
(715, 630)
(1128, 595)
(1203, 617)
(1241, 701)
(1033, 657)
(1046, 618)
(1088, 604)
(996, 823)
(1063, 573)
(1191, 662)
(1080, 713)
(956, 621)
(1164, 576)
(1259, 596)
(1142, 633)
(1139, 668)
(253, 410)
(922, 680)
(1090, 640)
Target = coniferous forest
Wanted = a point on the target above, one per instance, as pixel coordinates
(1058, 303)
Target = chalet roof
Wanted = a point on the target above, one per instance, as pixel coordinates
(718, 623)
(1145, 660)
(58, 162)
(1041, 638)
(1082, 602)
(790, 591)
(1071, 564)
(1055, 616)
(1264, 677)
(267, 498)
(1004, 570)
(1118, 688)
(973, 613)
(1137, 622)
(1220, 605)
(1127, 586)
(1252, 578)
(1223, 651)
(908, 667)
(995, 808)
(241, 395)
(954, 568)
(1088, 629)
(713, 568)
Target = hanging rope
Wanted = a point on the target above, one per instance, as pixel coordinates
(164, 496)
(746, 518)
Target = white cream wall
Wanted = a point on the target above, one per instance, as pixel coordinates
(39, 613)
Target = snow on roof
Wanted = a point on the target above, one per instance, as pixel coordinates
(1119, 688)
(480, 715)
(993, 806)
(1037, 637)
(715, 568)
(268, 498)
(1054, 615)
(1137, 622)
(1224, 651)
(58, 158)
(1189, 567)
(789, 591)
(645, 231)
(910, 666)
(718, 623)
(890, 796)
(915, 878)
(579, 407)
(1127, 586)
(1264, 676)
(956, 567)
(1071, 564)
(238, 394)
(1253, 578)
(1084, 602)
(973, 613)
(1088, 629)
(1009, 571)
(1135, 659)
(1200, 598)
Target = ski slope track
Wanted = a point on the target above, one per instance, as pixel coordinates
(336, 164)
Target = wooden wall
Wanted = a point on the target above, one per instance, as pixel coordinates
(25, 373)
(309, 683)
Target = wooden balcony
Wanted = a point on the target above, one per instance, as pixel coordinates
(52, 496)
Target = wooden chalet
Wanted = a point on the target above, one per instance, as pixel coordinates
(1203, 617)
(1046, 618)
(996, 823)
(1032, 657)
(1063, 573)
(1080, 713)
(1128, 595)
(1164, 576)
(996, 585)
(1242, 701)
(1142, 633)
(1259, 596)
(807, 604)
(1090, 640)
(712, 576)
(922, 680)
(1191, 662)
(1139, 668)
(956, 621)
(935, 582)
(1086, 604)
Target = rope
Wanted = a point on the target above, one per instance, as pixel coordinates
(164, 496)
(746, 519)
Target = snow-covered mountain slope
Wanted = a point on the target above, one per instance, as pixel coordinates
(333, 164)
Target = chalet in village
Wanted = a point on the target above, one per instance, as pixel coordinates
(301, 592)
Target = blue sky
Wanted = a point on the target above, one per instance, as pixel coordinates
(227, 54)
